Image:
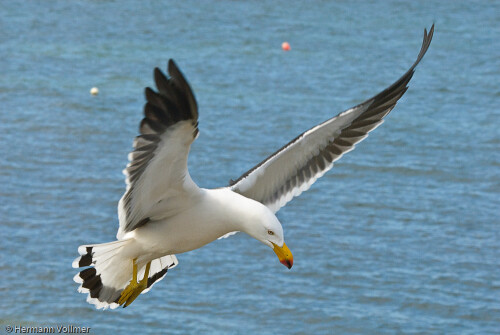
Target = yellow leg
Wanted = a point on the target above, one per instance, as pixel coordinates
(134, 288)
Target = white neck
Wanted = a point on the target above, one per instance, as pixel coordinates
(237, 213)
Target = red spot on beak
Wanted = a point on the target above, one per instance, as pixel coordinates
(287, 262)
(284, 255)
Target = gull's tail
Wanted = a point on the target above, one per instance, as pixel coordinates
(108, 270)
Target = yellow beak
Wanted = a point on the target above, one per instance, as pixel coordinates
(284, 254)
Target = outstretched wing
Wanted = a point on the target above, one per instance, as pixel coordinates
(158, 182)
(296, 166)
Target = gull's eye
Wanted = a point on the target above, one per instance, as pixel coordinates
(270, 232)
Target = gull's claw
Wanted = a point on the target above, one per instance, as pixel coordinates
(134, 288)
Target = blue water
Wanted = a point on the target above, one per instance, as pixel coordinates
(402, 236)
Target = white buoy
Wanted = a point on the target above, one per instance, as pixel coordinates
(94, 91)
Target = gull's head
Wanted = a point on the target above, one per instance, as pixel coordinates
(267, 229)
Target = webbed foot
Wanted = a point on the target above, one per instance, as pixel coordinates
(134, 288)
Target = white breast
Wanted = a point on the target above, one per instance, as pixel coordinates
(212, 215)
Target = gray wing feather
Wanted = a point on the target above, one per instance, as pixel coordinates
(173, 104)
(297, 165)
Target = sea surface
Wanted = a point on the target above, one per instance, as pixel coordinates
(402, 236)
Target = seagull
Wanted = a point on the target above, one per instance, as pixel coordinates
(163, 212)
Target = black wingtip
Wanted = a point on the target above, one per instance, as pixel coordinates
(159, 74)
(175, 73)
(181, 82)
(428, 36)
(172, 66)
(426, 42)
(431, 32)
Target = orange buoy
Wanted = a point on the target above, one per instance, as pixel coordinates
(285, 46)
